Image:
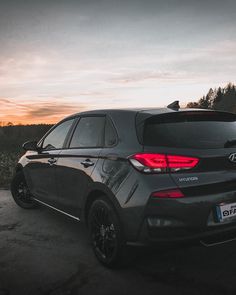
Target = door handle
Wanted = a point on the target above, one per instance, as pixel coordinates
(87, 163)
(52, 161)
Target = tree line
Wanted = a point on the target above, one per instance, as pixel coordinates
(223, 99)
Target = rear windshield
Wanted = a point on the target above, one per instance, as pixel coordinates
(204, 130)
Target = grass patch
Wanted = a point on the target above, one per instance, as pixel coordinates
(8, 161)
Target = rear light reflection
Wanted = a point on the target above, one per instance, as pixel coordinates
(150, 162)
(173, 193)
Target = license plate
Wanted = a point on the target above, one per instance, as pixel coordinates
(226, 211)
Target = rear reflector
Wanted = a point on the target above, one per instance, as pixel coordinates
(173, 193)
(148, 162)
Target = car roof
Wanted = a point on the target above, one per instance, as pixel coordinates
(146, 111)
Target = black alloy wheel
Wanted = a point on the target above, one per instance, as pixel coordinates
(105, 232)
(21, 193)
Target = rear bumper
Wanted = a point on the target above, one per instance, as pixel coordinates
(206, 236)
(190, 219)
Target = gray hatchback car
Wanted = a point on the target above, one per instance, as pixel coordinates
(136, 176)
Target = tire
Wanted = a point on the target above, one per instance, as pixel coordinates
(20, 192)
(106, 234)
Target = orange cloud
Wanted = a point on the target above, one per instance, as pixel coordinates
(35, 113)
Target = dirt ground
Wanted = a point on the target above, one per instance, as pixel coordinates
(43, 252)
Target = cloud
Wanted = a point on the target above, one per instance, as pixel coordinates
(52, 109)
(42, 112)
(4, 101)
(46, 87)
(140, 76)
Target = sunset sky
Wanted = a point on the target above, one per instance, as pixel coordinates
(61, 57)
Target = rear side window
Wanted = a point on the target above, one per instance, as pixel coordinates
(200, 130)
(110, 134)
(89, 133)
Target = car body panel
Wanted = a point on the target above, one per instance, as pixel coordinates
(40, 175)
(77, 177)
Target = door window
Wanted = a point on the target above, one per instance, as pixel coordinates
(89, 133)
(56, 138)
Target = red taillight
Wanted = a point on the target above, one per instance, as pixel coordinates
(181, 162)
(151, 160)
(148, 162)
(173, 193)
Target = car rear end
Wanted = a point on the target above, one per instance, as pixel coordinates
(187, 172)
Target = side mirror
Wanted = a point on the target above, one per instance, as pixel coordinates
(30, 146)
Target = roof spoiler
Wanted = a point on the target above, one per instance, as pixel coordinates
(174, 105)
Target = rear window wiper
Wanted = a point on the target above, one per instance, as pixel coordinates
(230, 143)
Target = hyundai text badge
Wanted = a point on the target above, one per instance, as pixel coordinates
(232, 157)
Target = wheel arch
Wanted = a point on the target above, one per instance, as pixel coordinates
(94, 194)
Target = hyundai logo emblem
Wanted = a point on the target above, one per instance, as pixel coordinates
(232, 157)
